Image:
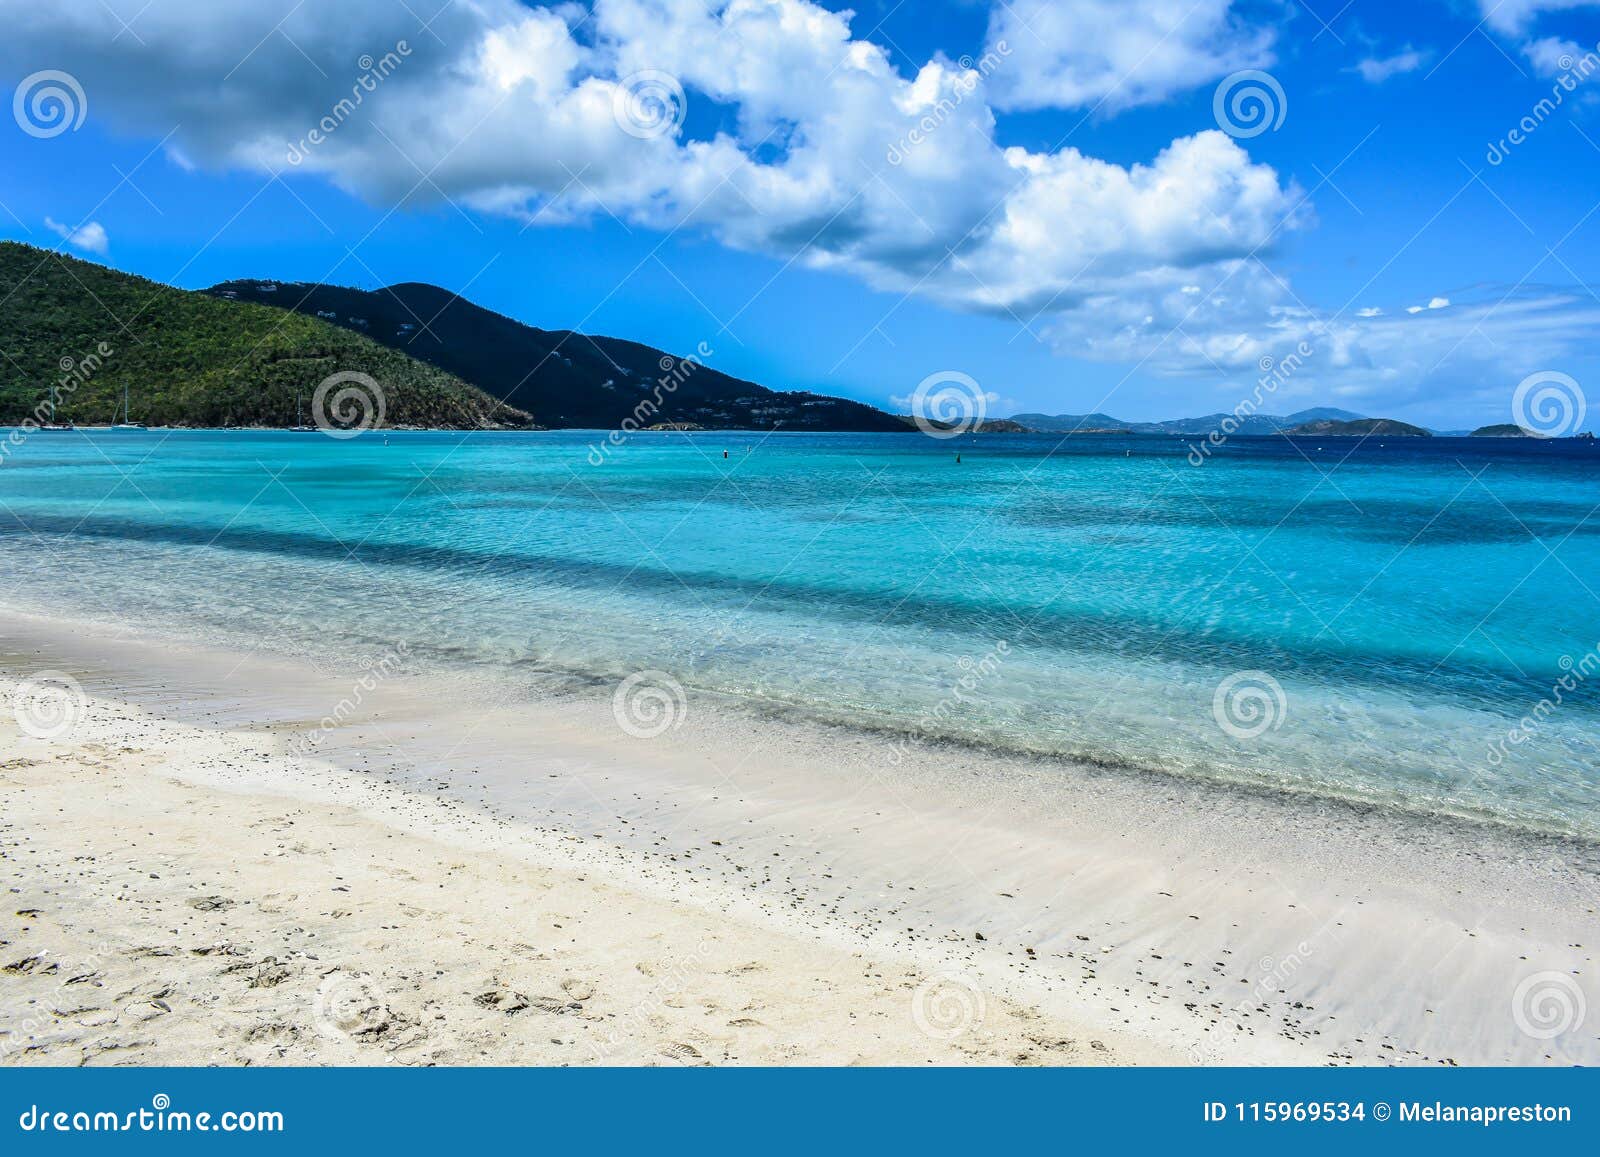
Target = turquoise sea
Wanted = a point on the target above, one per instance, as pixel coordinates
(1364, 621)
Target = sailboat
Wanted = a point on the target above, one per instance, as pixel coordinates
(300, 426)
(127, 422)
(50, 422)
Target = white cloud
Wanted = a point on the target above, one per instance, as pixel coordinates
(829, 156)
(90, 237)
(1377, 69)
(1516, 16)
(1115, 54)
(516, 116)
(1551, 56)
(1438, 302)
(1468, 352)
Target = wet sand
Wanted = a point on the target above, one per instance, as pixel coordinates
(454, 874)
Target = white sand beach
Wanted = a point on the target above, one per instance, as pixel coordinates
(453, 878)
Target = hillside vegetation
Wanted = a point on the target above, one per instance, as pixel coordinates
(189, 359)
(561, 377)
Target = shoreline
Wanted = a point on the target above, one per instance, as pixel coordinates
(1199, 925)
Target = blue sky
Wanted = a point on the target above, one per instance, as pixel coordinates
(1074, 231)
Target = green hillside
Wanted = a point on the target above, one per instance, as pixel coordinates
(188, 359)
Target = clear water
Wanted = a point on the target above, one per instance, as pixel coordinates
(1413, 600)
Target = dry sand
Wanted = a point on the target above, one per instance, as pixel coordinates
(464, 877)
(154, 919)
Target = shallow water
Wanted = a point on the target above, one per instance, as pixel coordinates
(1376, 617)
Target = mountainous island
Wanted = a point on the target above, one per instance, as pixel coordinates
(185, 359)
(1250, 424)
(252, 353)
(113, 347)
(1358, 428)
(561, 377)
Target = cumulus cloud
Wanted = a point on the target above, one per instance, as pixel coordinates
(90, 237)
(832, 157)
(824, 152)
(1377, 69)
(1113, 54)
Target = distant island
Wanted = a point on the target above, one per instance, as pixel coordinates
(89, 345)
(1261, 424)
(1358, 428)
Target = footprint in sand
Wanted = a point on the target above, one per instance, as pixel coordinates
(212, 903)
